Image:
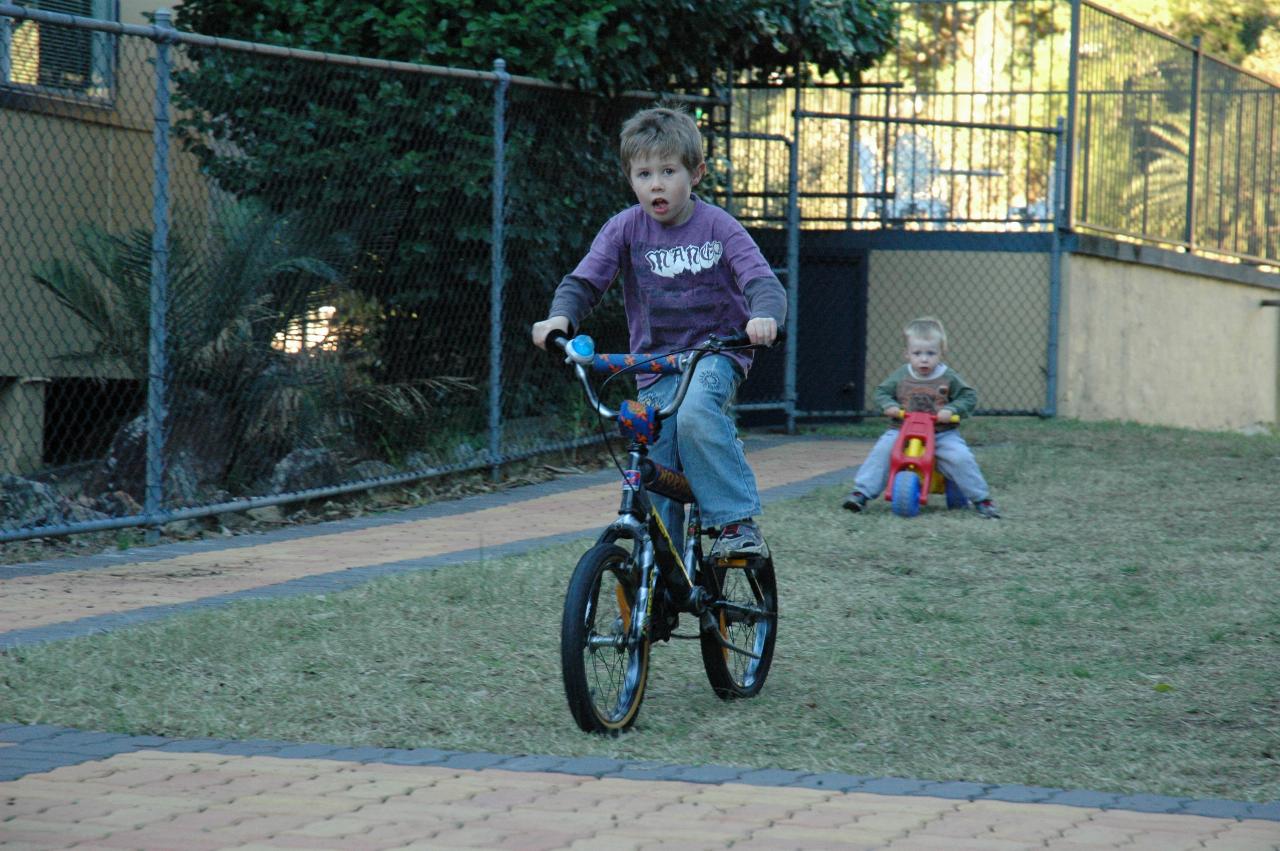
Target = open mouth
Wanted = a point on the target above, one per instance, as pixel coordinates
(660, 205)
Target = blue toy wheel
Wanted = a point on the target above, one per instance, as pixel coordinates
(906, 494)
(955, 496)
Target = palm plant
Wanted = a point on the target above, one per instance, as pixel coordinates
(237, 397)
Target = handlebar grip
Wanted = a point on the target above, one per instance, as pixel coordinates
(557, 338)
(739, 338)
(902, 415)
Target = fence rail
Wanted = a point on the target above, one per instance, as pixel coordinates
(240, 275)
(1167, 144)
(272, 284)
(1175, 146)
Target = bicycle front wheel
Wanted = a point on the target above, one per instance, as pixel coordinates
(605, 665)
(738, 652)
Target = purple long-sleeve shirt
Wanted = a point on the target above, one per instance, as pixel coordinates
(680, 283)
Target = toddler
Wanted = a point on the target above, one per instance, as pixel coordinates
(925, 383)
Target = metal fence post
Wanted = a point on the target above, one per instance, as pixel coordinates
(496, 263)
(158, 345)
(793, 259)
(1057, 233)
(1193, 131)
(1073, 89)
(6, 62)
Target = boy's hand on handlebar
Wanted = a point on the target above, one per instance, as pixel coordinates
(946, 415)
(542, 329)
(892, 412)
(762, 331)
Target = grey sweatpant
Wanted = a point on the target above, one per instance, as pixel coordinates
(954, 460)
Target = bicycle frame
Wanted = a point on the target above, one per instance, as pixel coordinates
(638, 520)
(607, 630)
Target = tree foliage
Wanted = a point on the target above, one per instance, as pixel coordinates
(594, 45)
(404, 162)
(1246, 32)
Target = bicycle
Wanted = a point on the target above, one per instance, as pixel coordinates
(629, 590)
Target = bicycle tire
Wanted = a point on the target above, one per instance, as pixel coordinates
(605, 671)
(906, 494)
(753, 587)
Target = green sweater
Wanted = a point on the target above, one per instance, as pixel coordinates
(947, 390)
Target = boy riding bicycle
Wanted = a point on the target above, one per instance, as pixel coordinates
(688, 270)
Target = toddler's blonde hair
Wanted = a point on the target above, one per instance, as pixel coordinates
(926, 328)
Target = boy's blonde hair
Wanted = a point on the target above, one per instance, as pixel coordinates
(662, 131)
(926, 328)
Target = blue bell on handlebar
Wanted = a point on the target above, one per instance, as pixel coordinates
(581, 349)
(639, 422)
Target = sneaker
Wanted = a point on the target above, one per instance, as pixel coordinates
(987, 509)
(739, 539)
(855, 502)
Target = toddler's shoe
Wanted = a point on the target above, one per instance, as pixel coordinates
(740, 539)
(987, 509)
(855, 501)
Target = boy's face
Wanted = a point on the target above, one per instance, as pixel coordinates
(923, 355)
(664, 187)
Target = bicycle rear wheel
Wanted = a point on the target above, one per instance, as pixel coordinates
(738, 652)
(605, 670)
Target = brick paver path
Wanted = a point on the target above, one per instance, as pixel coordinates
(209, 801)
(30, 601)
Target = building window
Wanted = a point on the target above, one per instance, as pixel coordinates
(59, 59)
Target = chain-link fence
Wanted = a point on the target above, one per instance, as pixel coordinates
(238, 275)
(902, 185)
(76, 187)
(965, 128)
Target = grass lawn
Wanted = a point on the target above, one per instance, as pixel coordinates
(1118, 630)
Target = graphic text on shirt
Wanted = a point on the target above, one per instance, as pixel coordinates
(669, 262)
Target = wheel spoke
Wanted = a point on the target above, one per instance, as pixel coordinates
(604, 666)
(738, 654)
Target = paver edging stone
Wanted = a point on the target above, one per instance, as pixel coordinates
(35, 749)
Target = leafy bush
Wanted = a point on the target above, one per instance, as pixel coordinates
(404, 162)
(236, 394)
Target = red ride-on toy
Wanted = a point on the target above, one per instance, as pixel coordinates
(912, 474)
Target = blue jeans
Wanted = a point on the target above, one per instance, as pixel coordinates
(702, 441)
(953, 457)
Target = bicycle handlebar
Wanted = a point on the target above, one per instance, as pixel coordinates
(902, 415)
(580, 351)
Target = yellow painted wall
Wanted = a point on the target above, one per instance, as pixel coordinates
(67, 174)
(68, 164)
(1162, 347)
